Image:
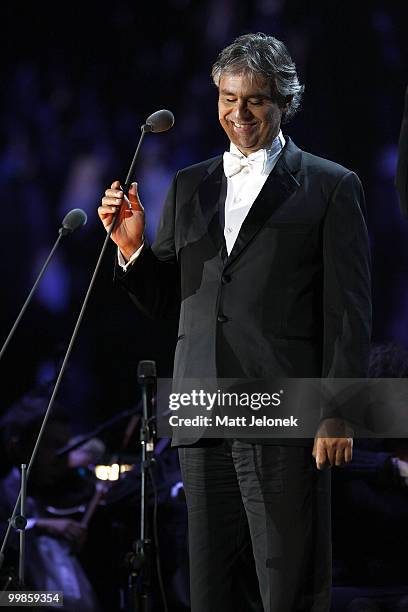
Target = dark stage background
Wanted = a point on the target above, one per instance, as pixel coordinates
(78, 80)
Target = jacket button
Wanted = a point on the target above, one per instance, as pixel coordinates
(222, 318)
(225, 278)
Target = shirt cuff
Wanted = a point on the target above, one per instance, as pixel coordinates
(127, 264)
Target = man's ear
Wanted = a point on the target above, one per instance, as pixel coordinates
(285, 107)
(286, 103)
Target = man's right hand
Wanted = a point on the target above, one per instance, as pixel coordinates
(129, 228)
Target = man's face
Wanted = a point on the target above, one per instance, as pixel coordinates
(249, 116)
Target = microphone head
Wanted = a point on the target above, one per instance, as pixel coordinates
(146, 372)
(160, 121)
(72, 220)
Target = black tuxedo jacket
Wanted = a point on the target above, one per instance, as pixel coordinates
(401, 179)
(293, 297)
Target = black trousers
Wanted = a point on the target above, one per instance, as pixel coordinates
(259, 528)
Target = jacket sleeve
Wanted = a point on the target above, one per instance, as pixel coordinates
(153, 281)
(347, 287)
(401, 180)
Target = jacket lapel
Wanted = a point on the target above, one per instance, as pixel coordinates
(280, 184)
(211, 198)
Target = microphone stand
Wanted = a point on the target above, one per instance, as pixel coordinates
(55, 391)
(30, 295)
(144, 129)
(139, 560)
(78, 217)
(20, 522)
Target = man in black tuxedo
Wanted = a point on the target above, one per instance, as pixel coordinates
(264, 251)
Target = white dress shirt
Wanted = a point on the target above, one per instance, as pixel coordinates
(243, 187)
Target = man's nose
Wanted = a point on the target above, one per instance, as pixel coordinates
(242, 111)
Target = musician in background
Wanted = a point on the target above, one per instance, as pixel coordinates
(53, 541)
(370, 551)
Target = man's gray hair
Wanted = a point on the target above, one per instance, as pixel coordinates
(259, 54)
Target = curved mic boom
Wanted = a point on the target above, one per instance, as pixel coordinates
(160, 121)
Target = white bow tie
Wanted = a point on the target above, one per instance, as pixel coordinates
(235, 163)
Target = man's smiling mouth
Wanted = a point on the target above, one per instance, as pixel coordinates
(243, 126)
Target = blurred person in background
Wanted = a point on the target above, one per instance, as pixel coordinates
(370, 550)
(56, 495)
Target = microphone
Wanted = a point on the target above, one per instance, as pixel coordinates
(146, 372)
(74, 219)
(146, 378)
(160, 121)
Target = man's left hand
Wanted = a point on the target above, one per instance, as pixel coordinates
(333, 444)
(332, 451)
